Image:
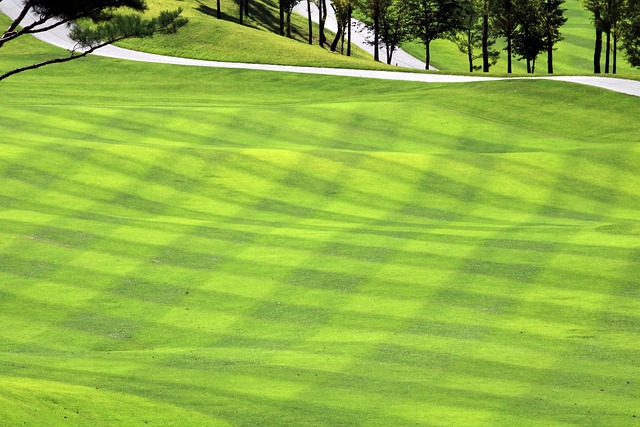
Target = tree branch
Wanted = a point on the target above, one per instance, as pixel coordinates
(73, 56)
(18, 20)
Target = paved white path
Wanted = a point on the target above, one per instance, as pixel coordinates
(59, 37)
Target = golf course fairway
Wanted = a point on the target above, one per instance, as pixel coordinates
(186, 246)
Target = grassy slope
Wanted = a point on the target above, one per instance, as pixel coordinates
(180, 246)
(206, 37)
(574, 55)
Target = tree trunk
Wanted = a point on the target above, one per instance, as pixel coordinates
(607, 53)
(528, 66)
(310, 22)
(376, 41)
(334, 45)
(349, 32)
(241, 4)
(550, 56)
(322, 12)
(615, 52)
(246, 8)
(549, 41)
(597, 52)
(485, 40)
(289, 23)
(533, 66)
(281, 18)
(218, 13)
(509, 49)
(469, 52)
(427, 55)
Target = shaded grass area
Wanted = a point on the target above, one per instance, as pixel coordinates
(178, 245)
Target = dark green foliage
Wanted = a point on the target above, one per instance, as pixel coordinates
(126, 26)
(469, 37)
(631, 33)
(433, 19)
(505, 19)
(553, 18)
(394, 27)
(372, 11)
(72, 9)
(529, 38)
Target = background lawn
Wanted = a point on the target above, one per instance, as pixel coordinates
(183, 246)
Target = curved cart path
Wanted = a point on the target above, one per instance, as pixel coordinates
(59, 37)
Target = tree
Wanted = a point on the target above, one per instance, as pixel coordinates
(310, 21)
(596, 8)
(322, 18)
(243, 9)
(393, 26)
(349, 29)
(485, 36)
(630, 33)
(505, 18)
(110, 26)
(614, 12)
(529, 39)
(372, 11)
(469, 37)
(286, 9)
(553, 18)
(433, 19)
(342, 9)
(607, 18)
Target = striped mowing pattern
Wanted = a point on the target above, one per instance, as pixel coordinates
(251, 264)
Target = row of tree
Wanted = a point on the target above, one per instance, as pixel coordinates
(529, 27)
(618, 20)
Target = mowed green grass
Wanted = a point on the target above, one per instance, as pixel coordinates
(183, 246)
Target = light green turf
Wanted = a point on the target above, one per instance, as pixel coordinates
(184, 246)
(574, 55)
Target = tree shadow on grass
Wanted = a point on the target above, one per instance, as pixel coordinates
(261, 16)
(209, 11)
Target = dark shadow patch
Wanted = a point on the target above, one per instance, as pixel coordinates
(186, 259)
(317, 279)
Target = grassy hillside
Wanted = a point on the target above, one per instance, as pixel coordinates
(186, 246)
(206, 37)
(574, 55)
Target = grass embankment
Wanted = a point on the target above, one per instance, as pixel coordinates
(574, 55)
(206, 37)
(221, 247)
